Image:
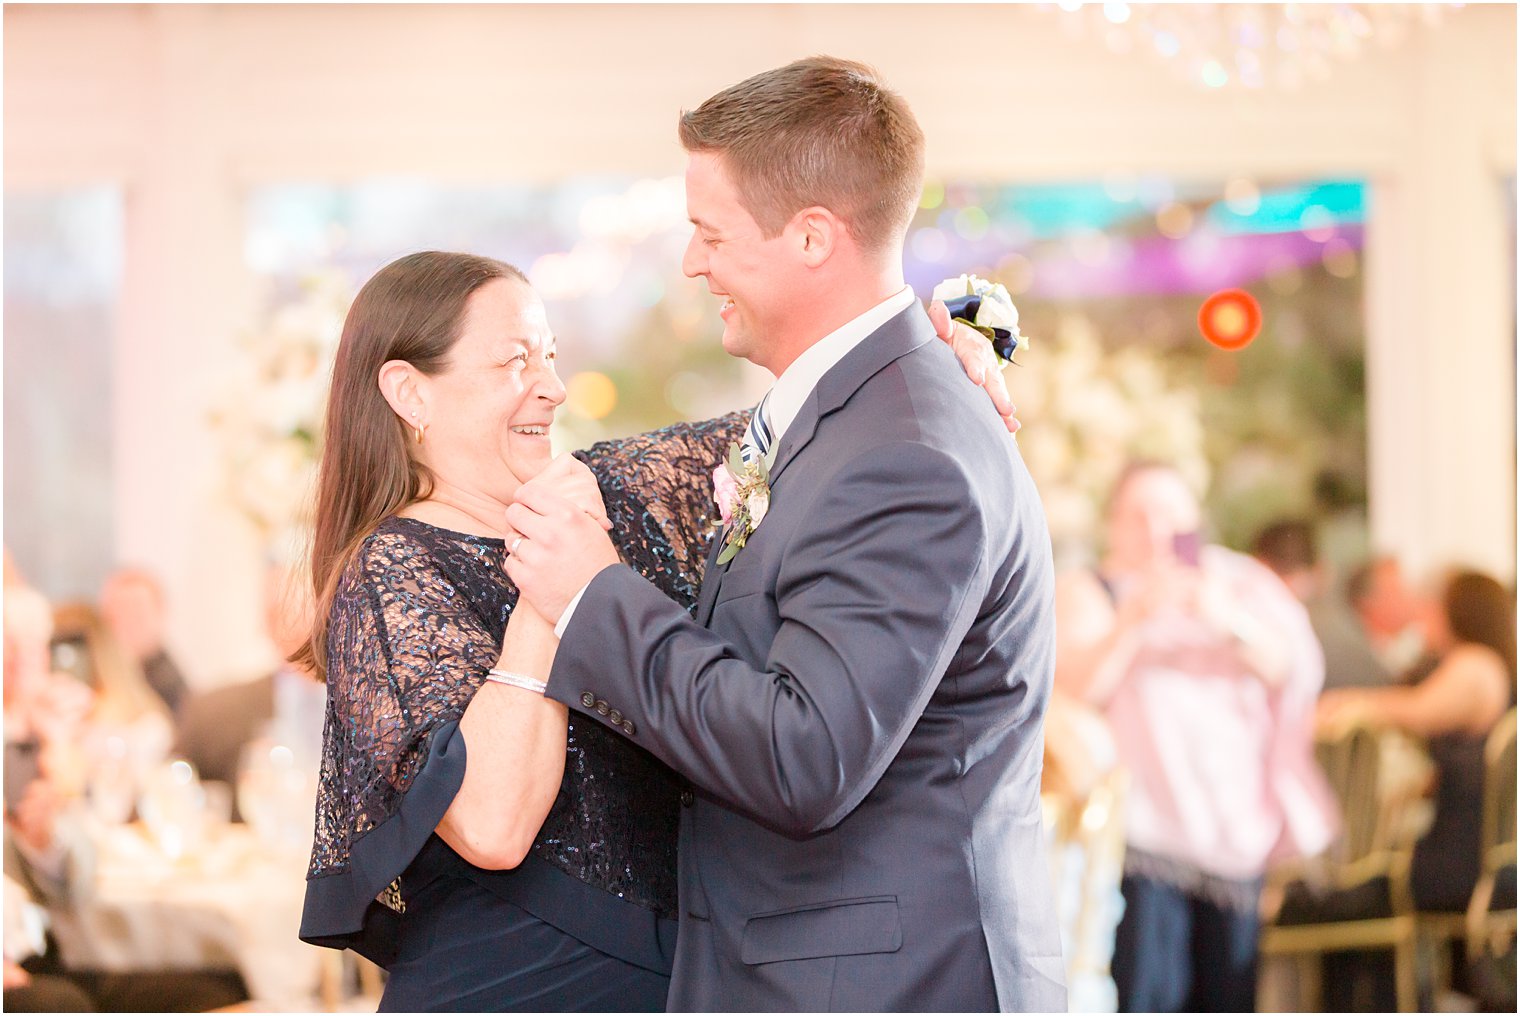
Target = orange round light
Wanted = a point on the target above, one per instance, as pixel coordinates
(1230, 319)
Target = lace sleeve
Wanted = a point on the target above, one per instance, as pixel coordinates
(658, 491)
(407, 651)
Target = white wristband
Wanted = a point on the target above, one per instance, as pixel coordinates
(522, 681)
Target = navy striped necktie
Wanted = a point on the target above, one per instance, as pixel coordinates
(757, 438)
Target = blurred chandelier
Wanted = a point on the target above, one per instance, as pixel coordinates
(1251, 45)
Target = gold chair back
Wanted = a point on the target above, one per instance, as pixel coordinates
(1499, 795)
(1352, 765)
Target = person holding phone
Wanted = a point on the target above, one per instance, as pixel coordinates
(1207, 670)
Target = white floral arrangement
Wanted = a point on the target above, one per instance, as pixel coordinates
(269, 418)
(1088, 411)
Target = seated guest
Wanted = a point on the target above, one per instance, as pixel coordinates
(286, 704)
(45, 712)
(128, 724)
(1470, 685)
(1291, 550)
(26, 937)
(48, 855)
(49, 858)
(133, 605)
(1390, 613)
(1472, 633)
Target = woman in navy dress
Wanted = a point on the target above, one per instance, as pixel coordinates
(490, 851)
(540, 876)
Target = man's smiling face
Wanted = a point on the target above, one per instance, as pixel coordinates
(753, 275)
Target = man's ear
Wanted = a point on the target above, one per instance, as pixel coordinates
(405, 390)
(818, 233)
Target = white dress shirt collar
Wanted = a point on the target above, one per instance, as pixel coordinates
(797, 382)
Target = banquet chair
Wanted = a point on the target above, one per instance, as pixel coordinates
(1376, 845)
(1487, 933)
(1085, 850)
(1099, 829)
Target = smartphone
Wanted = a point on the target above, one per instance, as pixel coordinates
(1186, 546)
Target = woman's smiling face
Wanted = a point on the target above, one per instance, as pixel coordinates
(489, 412)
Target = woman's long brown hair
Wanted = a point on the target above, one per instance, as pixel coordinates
(410, 310)
(1480, 610)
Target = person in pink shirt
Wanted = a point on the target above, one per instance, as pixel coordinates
(1207, 669)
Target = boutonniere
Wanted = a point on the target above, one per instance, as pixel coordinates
(742, 491)
(987, 307)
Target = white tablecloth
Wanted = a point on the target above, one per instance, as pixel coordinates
(232, 903)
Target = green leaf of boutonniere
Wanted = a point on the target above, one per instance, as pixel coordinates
(729, 550)
(986, 331)
(735, 460)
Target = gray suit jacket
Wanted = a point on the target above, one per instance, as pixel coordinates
(858, 707)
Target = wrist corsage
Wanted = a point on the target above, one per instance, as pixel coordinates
(987, 307)
(743, 493)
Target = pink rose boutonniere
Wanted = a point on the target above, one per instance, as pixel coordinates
(743, 494)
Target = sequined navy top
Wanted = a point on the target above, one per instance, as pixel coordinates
(417, 621)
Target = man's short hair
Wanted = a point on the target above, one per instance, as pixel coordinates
(1359, 584)
(1287, 546)
(820, 131)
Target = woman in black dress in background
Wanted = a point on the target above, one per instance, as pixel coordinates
(540, 875)
(1453, 708)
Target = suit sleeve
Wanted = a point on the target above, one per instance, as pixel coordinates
(875, 595)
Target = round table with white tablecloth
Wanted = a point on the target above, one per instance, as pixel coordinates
(229, 902)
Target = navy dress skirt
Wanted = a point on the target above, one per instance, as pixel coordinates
(468, 949)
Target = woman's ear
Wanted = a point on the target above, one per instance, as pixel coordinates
(404, 389)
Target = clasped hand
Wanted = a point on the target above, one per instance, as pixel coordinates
(556, 536)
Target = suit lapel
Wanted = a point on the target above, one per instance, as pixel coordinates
(899, 336)
(712, 576)
(896, 338)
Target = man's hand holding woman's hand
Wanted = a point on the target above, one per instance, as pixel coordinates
(571, 479)
(557, 536)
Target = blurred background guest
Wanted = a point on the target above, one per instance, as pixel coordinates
(1392, 616)
(26, 937)
(286, 706)
(45, 712)
(1290, 547)
(1450, 706)
(1207, 669)
(128, 730)
(49, 854)
(134, 607)
(1471, 632)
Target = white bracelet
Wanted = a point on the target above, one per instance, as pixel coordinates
(522, 681)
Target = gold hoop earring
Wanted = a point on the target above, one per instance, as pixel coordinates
(418, 432)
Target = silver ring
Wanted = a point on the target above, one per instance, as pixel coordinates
(513, 549)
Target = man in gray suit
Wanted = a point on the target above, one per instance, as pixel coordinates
(858, 703)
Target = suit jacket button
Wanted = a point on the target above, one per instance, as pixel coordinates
(688, 799)
(629, 728)
(616, 718)
(587, 699)
(602, 708)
